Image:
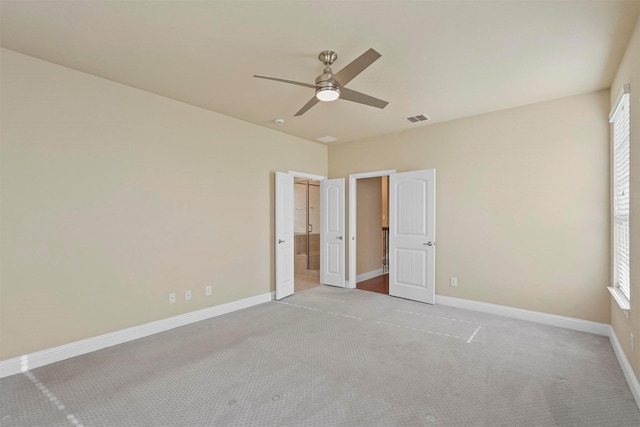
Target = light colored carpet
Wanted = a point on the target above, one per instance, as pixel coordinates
(334, 357)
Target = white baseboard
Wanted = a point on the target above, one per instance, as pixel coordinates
(528, 315)
(626, 366)
(557, 321)
(56, 354)
(369, 275)
(41, 358)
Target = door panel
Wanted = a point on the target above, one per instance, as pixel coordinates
(284, 204)
(412, 235)
(333, 257)
(332, 228)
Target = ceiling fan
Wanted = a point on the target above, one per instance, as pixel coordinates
(330, 86)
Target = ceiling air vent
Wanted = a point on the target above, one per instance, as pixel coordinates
(326, 139)
(417, 119)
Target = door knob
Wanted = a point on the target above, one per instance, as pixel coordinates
(428, 244)
(280, 241)
(339, 237)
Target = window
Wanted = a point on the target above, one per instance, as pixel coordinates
(619, 119)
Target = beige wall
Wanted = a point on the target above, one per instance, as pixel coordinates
(385, 201)
(522, 202)
(113, 197)
(369, 225)
(629, 72)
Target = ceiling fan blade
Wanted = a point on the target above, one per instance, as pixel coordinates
(313, 101)
(356, 66)
(361, 98)
(285, 81)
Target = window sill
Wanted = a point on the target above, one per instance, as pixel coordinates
(621, 299)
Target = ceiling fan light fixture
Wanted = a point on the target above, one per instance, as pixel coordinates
(327, 93)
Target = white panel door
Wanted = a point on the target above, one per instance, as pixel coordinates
(332, 241)
(284, 235)
(412, 240)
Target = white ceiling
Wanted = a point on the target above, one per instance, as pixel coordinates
(447, 59)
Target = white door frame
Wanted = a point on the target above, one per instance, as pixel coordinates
(353, 217)
(307, 175)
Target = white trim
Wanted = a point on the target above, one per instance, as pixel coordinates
(621, 299)
(579, 325)
(353, 218)
(626, 366)
(374, 174)
(619, 186)
(626, 89)
(369, 275)
(44, 357)
(307, 176)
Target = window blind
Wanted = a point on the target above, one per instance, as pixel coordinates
(620, 121)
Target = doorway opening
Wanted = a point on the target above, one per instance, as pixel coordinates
(306, 233)
(331, 233)
(372, 215)
(359, 212)
(411, 233)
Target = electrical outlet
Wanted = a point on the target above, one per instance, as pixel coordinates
(631, 338)
(187, 295)
(207, 291)
(172, 297)
(454, 281)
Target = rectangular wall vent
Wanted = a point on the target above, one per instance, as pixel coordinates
(417, 119)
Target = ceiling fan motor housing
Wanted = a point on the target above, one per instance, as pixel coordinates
(327, 88)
